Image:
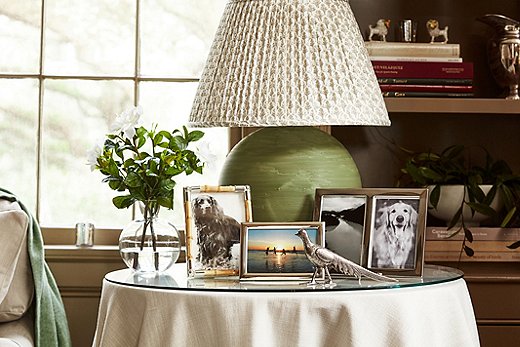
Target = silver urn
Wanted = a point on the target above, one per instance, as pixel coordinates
(504, 52)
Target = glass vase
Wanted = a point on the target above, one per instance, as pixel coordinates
(149, 245)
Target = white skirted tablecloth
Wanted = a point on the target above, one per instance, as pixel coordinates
(224, 313)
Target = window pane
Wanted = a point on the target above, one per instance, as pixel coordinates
(76, 116)
(90, 37)
(19, 134)
(20, 38)
(169, 105)
(176, 35)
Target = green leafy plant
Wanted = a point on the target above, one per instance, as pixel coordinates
(142, 163)
(451, 166)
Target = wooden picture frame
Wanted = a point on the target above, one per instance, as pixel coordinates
(213, 216)
(273, 251)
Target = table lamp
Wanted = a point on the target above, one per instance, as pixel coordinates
(287, 66)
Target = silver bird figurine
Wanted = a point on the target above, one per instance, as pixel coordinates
(323, 258)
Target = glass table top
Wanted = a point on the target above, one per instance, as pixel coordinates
(175, 278)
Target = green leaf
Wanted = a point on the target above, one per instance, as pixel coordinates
(508, 217)
(455, 219)
(167, 185)
(123, 201)
(115, 184)
(429, 173)
(165, 202)
(195, 135)
(133, 180)
(173, 171)
(435, 195)
(157, 138)
(514, 245)
(141, 131)
(468, 234)
(178, 143)
(469, 251)
(113, 168)
(141, 140)
(481, 208)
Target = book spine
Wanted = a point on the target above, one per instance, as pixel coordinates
(477, 246)
(479, 234)
(426, 95)
(412, 49)
(477, 257)
(419, 69)
(427, 81)
(425, 88)
(427, 59)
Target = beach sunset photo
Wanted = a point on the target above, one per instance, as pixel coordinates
(278, 250)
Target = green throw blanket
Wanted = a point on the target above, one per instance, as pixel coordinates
(50, 322)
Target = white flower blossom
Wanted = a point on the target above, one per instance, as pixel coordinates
(206, 155)
(127, 121)
(93, 154)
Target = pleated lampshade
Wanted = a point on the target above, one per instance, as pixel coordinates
(287, 65)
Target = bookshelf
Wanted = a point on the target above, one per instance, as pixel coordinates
(447, 106)
(421, 124)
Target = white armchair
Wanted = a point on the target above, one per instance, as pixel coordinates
(16, 280)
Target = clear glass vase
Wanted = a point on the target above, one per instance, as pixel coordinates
(149, 245)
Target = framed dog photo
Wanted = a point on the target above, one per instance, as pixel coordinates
(213, 222)
(395, 241)
(273, 250)
(344, 213)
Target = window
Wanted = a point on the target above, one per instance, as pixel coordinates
(68, 67)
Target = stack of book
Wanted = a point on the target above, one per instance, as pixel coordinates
(489, 244)
(421, 69)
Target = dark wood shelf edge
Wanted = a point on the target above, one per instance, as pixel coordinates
(490, 106)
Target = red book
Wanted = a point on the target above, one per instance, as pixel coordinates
(421, 69)
(424, 88)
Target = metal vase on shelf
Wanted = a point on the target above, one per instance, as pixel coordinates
(509, 48)
(503, 51)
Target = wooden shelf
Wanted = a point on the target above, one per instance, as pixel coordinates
(453, 105)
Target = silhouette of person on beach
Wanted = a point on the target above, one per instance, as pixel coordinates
(283, 252)
(294, 249)
(267, 251)
(274, 250)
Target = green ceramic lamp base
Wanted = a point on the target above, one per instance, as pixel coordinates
(284, 166)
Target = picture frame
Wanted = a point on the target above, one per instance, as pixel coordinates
(377, 249)
(344, 213)
(212, 211)
(272, 251)
(395, 242)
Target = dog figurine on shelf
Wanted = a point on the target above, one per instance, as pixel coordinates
(433, 29)
(381, 29)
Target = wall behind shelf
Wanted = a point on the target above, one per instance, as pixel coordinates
(459, 15)
(378, 160)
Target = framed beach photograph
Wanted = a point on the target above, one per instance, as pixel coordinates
(394, 243)
(344, 213)
(272, 250)
(213, 217)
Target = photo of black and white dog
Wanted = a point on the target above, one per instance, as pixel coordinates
(394, 233)
(216, 231)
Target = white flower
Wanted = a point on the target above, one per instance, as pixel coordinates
(206, 155)
(127, 121)
(92, 156)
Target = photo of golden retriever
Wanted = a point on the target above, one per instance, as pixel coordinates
(394, 234)
(216, 231)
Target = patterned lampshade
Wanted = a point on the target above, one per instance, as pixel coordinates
(288, 63)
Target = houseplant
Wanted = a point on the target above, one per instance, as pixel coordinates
(142, 163)
(453, 166)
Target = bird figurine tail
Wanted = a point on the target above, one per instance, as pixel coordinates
(323, 258)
